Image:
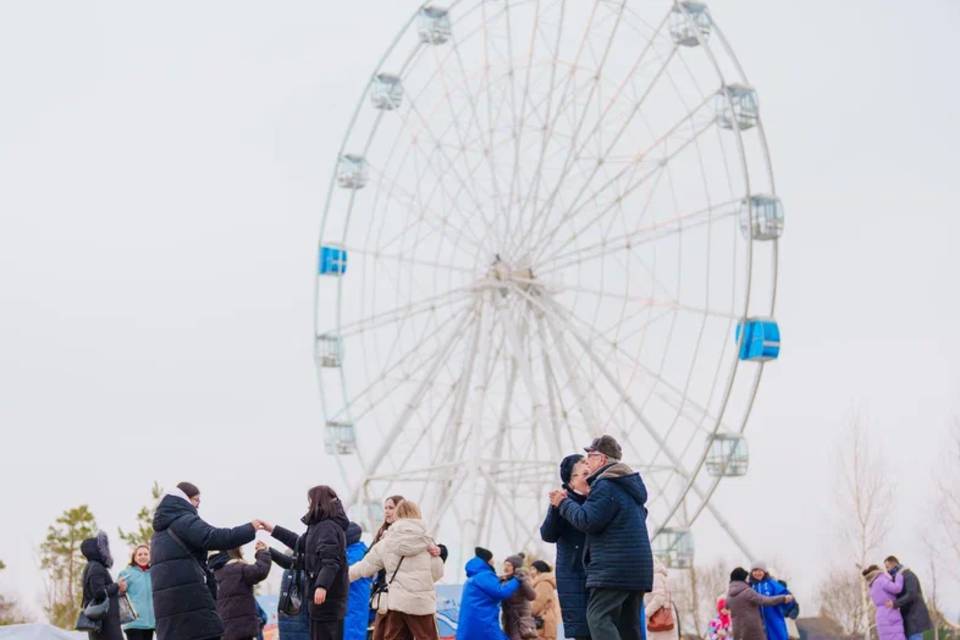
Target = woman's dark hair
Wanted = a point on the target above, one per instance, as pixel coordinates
(133, 556)
(396, 500)
(541, 566)
(235, 554)
(189, 488)
(324, 503)
(739, 575)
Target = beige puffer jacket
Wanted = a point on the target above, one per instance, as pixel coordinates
(412, 591)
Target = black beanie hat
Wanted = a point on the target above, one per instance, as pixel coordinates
(483, 554)
(566, 467)
(739, 575)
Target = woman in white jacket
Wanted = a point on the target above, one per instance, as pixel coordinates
(412, 564)
(660, 598)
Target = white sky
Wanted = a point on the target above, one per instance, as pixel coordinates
(162, 172)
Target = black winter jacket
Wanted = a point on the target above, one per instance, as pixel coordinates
(913, 608)
(182, 598)
(236, 604)
(97, 585)
(571, 575)
(324, 549)
(614, 517)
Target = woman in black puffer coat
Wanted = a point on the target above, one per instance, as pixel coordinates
(97, 585)
(324, 551)
(183, 587)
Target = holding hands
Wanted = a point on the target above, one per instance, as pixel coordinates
(262, 525)
(260, 546)
(557, 496)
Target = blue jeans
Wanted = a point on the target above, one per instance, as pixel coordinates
(916, 636)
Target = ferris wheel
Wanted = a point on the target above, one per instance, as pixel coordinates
(550, 219)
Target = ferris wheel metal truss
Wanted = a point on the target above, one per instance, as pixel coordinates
(549, 219)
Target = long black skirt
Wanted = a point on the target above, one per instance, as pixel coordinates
(326, 630)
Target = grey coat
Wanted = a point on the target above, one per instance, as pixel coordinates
(744, 604)
(518, 621)
(916, 618)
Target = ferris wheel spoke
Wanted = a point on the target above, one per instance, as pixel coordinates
(641, 159)
(396, 314)
(414, 357)
(679, 402)
(574, 67)
(575, 153)
(643, 235)
(436, 221)
(416, 399)
(395, 257)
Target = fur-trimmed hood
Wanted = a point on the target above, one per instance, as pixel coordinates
(97, 549)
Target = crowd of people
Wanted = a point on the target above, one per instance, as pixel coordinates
(193, 583)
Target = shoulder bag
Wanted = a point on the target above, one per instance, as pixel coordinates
(381, 588)
(663, 619)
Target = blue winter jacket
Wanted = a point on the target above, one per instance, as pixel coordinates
(480, 602)
(140, 592)
(773, 617)
(358, 602)
(571, 576)
(614, 517)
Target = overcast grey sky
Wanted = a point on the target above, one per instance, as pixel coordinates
(162, 173)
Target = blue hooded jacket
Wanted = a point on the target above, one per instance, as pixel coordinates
(358, 602)
(480, 602)
(614, 517)
(773, 617)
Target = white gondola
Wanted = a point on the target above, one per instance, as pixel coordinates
(340, 438)
(737, 107)
(690, 23)
(674, 547)
(761, 217)
(329, 351)
(728, 457)
(352, 172)
(433, 25)
(386, 92)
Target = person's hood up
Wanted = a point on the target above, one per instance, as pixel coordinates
(97, 549)
(550, 578)
(354, 533)
(625, 478)
(476, 566)
(173, 505)
(736, 588)
(218, 560)
(407, 537)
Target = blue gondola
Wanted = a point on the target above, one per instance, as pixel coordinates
(759, 339)
(333, 260)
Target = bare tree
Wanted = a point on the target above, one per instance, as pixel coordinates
(865, 499)
(841, 600)
(695, 593)
(949, 500)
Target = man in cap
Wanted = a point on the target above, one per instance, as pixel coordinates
(617, 554)
(916, 617)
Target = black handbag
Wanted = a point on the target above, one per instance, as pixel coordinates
(291, 592)
(91, 616)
